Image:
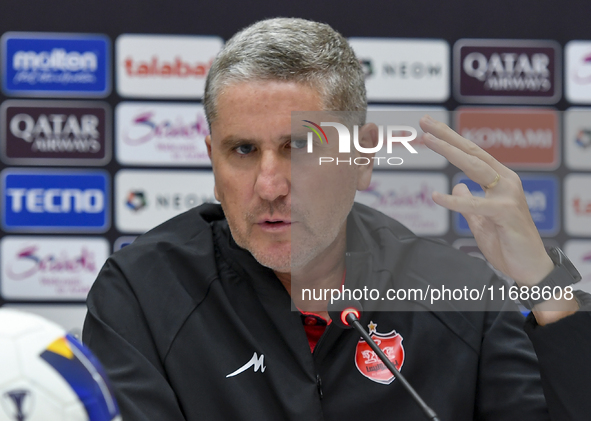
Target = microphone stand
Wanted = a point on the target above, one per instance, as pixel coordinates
(354, 321)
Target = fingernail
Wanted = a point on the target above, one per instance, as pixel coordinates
(428, 119)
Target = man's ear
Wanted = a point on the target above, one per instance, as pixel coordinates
(368, 138)
(208, 144)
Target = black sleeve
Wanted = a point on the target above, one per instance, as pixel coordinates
(564, 354)
(115, 329)
(509, 385)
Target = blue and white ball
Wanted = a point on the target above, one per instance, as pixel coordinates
(48, 375)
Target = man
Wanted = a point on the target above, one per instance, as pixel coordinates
(194, 320)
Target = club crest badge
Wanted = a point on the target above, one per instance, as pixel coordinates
(370, 365)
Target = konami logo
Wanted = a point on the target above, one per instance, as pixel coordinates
(520, 138)
(164, 66)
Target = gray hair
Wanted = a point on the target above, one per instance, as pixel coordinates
(291, 50)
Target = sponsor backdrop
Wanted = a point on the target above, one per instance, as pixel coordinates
(102, 127)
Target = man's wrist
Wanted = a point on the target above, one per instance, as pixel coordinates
(552, 291)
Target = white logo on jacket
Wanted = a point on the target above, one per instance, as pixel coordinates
(255, 361)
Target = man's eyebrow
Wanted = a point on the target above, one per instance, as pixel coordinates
(234, 141)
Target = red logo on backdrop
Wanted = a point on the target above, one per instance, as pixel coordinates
(370, 365)
(519, 138)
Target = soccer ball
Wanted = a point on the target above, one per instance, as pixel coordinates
(48, 375)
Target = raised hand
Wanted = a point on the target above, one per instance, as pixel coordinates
(500, 221)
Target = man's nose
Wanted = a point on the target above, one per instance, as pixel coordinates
(273, 179)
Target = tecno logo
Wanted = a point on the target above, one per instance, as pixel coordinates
(393, 134)
(517, 137)
(496, 71)
(55, 201)
(164, 66)
(55, 133)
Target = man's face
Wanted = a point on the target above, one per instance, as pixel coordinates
(251, 152)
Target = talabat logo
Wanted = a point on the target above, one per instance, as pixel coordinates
(50, 268)
(164, 66)
(55, 201)
(55, 133)
(577, 72)
(162, 134)
(393, 135)
(501, 71)
(577, 204)
(404, 69)
(48, 64)
(541, 193)
(521, 138)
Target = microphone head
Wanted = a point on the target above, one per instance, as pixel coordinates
(338, 310)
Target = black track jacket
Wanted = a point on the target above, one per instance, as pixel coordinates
(173, 314)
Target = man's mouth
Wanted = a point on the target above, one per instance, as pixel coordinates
(274, 225)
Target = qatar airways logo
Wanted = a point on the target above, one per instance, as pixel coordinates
(501, 71)
(402, 135)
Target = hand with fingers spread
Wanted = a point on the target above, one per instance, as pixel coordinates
(500, 221)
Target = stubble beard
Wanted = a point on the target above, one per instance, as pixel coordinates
(305, 242)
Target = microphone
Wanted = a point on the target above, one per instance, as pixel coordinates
(346, 314)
